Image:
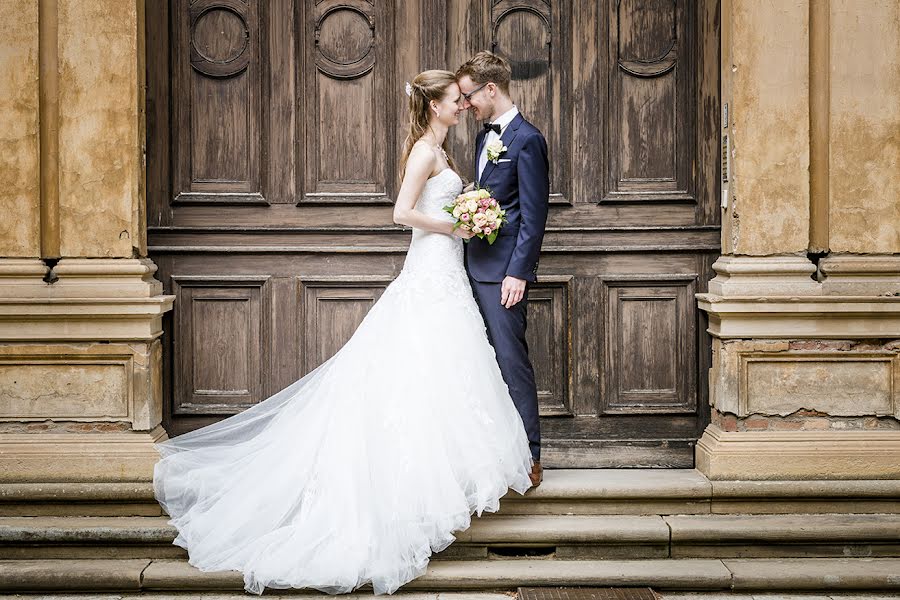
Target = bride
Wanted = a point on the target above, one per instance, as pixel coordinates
(361, 469)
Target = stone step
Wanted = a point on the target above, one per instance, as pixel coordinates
(792, 535)
(687, 491)
(554, 537)
(160, 575)
(564, 491)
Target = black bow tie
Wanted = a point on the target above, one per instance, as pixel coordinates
(492, 127)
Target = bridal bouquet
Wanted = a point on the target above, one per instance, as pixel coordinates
(478, 212)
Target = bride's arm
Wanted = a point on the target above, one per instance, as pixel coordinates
(418, 167)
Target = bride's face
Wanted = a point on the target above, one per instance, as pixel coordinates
(449, 107)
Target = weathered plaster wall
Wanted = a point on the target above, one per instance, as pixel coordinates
(100, 134)
(865, 126)
(770, 126)
(19, 135)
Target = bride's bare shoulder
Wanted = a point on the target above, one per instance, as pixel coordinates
(421, 157)
(421, 147)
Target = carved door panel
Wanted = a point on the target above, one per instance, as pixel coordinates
(274, 130)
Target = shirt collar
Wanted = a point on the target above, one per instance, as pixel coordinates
(507, 117)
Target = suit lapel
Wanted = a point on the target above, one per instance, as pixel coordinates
(509, 134)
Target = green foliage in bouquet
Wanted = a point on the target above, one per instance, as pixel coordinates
(479, 212)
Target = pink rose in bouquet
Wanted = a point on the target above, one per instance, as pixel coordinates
(478, 212)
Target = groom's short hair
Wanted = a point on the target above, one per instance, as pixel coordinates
(487, 67)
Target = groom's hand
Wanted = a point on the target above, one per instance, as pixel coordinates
(512, 290)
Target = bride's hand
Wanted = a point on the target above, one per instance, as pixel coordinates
(469, 187)
(462, 233)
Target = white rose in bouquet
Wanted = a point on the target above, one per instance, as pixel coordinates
(479, 212)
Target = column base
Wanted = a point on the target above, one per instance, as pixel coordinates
(805, 373)
(123, 456)
(80, 370)
(793, 455)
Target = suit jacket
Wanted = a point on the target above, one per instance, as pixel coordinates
(520, 182)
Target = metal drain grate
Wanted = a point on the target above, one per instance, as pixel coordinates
(587, 593)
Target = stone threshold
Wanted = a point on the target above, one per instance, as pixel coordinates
(564, 491)
(501, 575)
(554, 537)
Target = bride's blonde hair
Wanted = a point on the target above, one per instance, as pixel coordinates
(427, 86)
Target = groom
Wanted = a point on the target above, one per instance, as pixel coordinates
(510, 161)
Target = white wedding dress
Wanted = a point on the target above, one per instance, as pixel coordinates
(360, 470)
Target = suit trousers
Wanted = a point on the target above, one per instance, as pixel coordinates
(506, 332)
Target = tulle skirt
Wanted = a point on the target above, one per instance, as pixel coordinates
(357, 472)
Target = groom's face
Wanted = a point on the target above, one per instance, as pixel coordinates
(479, 101)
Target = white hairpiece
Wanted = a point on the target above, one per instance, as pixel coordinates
(408, 89)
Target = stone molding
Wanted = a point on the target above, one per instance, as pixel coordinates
(775, 297)
(79, 457)
(80, 319)
(20, 271)
(798, 455)
(826, 317)
(79, 278)
(758, 276)
(854, 275)
(91, 299)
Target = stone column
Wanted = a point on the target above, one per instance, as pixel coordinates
(805, 308)
(80, 310)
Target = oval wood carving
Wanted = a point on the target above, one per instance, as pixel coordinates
(661, 54)
(220, 37)
(525, 27)
(345, 40)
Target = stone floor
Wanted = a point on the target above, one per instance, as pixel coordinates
(218, 596)
(234, 596)
(774, 596)
(450, 596)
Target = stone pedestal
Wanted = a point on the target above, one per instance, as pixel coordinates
(80, 365)
(805, 382)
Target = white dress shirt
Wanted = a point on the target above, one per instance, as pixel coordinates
(503, 120)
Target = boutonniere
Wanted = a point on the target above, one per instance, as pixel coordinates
(495, 149)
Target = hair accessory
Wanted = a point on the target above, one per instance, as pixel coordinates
(408, 89)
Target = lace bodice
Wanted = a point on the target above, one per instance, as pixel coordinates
(436, 252)
(438, 192)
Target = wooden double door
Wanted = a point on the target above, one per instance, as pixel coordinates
(274, 129)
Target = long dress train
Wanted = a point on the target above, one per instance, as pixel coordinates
(360, 470)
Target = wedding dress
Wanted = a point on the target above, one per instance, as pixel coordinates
(361, 469)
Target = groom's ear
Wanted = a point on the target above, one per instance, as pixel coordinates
(496, 90)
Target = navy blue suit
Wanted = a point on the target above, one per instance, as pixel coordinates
(521, 185)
